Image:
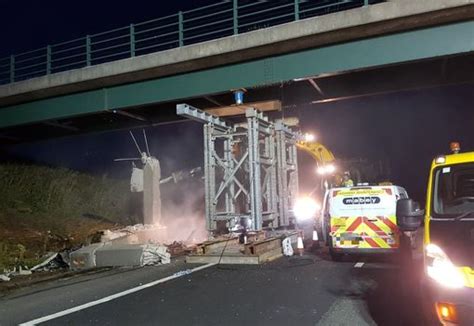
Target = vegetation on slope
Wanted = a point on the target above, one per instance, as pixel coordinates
(48, 209)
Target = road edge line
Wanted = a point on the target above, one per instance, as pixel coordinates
(114, 296)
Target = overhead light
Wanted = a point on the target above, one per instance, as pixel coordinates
(440, 159)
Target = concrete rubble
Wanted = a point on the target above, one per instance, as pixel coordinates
(136, 234)
(9, 274)
(136, 245)
(84, 258)
(4, 278)
(54, 261)
(113, 255)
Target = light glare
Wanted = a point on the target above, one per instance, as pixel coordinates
(305, 208)
(326, 169)
(441, 269)
(309, 137)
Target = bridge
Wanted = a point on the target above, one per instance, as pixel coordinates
(299, 53)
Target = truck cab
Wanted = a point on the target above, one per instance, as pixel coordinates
(448, 276)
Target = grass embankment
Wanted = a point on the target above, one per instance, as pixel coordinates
(48, 209)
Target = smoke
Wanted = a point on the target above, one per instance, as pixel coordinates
(183, 212)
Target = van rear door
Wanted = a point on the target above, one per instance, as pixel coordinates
(364, 218)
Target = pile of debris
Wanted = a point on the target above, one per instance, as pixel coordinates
(113, 255)
(131, 246)
(8, 274)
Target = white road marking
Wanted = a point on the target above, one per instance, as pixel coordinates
(113, 296)
(381, 266)
(359, 265)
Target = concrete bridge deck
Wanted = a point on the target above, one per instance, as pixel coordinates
(365, 22)
(387, 47)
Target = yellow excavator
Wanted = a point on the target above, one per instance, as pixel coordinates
(325, 162)
(318, 151)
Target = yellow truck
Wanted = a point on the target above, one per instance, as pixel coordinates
(448, 276)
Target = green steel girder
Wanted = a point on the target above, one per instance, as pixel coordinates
(419, 44)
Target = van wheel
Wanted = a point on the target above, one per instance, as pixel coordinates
(327, 237)
(335, 256)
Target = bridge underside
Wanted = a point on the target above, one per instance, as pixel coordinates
(423, 58)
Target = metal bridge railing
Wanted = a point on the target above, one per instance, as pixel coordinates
(184, 28)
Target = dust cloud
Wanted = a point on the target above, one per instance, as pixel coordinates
(183, 212)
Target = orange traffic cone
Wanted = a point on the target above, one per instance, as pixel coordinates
(300, 245)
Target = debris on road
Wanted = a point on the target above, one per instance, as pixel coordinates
(111, 255)
(179, 249)
(4, 278)
(154, 254)
(54, 261)
(182, 273)
(135, 234)
(84, 258)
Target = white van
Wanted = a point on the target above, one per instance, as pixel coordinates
(361, 219)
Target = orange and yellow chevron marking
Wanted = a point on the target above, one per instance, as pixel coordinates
(375, 233)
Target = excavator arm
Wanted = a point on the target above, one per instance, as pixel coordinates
(318, 151)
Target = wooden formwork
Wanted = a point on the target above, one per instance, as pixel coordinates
(257, 250)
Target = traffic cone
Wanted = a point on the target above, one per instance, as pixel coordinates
(299, 245)
(315, 240)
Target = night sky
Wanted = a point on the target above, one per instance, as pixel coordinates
(407, 128)
(27, 25)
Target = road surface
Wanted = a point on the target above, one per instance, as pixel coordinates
(308, 290)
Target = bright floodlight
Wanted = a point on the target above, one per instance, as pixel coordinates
(305, 208)
(321, 170)
(330, 168)
(309, 137)
(326, 169)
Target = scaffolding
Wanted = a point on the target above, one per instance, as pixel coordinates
(250, 171)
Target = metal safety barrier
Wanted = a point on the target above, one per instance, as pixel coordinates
(184, 28)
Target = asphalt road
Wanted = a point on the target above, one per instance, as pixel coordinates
(308, 290)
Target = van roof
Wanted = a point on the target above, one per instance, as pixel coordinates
(365, 187)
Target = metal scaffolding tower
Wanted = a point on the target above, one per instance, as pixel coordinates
(250, 170)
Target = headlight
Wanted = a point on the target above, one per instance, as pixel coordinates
(441, 269)
(305, 208)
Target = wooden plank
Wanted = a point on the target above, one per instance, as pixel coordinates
(270, 255)
(209, 246)
(232, 110)
(259, 247)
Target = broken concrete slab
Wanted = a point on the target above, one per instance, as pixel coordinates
(131, 255)
(119, 255)
(84, 258)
